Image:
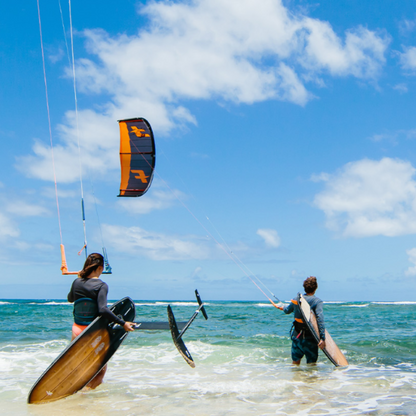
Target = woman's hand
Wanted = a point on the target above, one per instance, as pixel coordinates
(129, 326)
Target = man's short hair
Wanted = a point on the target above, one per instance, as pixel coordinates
(310, 284)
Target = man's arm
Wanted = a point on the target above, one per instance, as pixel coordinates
(319, 312)
(288, 308)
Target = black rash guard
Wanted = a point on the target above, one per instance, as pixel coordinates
(94, 289)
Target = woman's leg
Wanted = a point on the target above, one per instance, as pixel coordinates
(98, 379)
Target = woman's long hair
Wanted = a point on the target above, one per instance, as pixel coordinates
(93, 262)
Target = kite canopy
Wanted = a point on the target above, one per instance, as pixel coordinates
(137, 156)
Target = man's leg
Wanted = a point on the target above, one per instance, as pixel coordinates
(310, 347)
(297, 351)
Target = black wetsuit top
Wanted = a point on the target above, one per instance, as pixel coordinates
(94, 289)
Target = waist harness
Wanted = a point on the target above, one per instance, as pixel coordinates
(85, 311)
(300, 330)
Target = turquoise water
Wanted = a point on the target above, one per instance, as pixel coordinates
(242, 356)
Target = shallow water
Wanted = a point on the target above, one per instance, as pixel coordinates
(242, 356)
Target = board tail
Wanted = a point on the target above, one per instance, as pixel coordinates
(178, 341)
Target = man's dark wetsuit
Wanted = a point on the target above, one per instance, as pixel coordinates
(96, 290)
(303, 342)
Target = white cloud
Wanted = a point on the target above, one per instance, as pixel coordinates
(56, 54)
(99, 149)
(160, 246)
(411, 271)
(7, 227)
(395, 136)
(156, 201)
(199, 155)
(12, 207)
(271, 238)
(408, 58)
(406, 27)
(402, 88)
(368, 198)
(360, 56)
(241, 51)
(24, 209)
(157, 246)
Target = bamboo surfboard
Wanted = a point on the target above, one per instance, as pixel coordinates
(331, 349)
(84, 357)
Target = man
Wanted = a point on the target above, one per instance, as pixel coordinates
(303, 342)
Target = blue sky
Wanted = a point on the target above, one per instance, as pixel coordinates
(285, 131)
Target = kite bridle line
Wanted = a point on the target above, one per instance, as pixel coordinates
(229, 253)
(64, 267)
(172, 168)
(77, 129)
(64, 31)
(107, 267)
(49, 121)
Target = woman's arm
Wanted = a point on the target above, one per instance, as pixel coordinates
(71, 297)
(103, 309)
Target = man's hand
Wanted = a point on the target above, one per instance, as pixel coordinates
(322, 344)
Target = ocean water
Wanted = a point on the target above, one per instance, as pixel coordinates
(242, 357)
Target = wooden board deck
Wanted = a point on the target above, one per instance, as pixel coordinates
(87, 354)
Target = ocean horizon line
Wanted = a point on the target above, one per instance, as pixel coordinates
(190, 301)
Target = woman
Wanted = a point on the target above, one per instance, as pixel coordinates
(89, 295)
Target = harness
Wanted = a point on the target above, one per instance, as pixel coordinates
(85, 311)
(299, 327)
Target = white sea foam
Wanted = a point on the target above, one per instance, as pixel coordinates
(395, 303)
(51, 303)
(356, 306)
(138, 303)
(335, 302)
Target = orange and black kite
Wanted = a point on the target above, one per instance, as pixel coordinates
(137, 156)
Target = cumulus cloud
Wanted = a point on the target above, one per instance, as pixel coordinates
(271, 238)
(99, 149)
(369, 198)
(161, 246)
(7, 227)
(158, 200)
(12, 207)
(241, 51)
(408, 58)
(411, 271)
(157, 246)
(24, 209)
